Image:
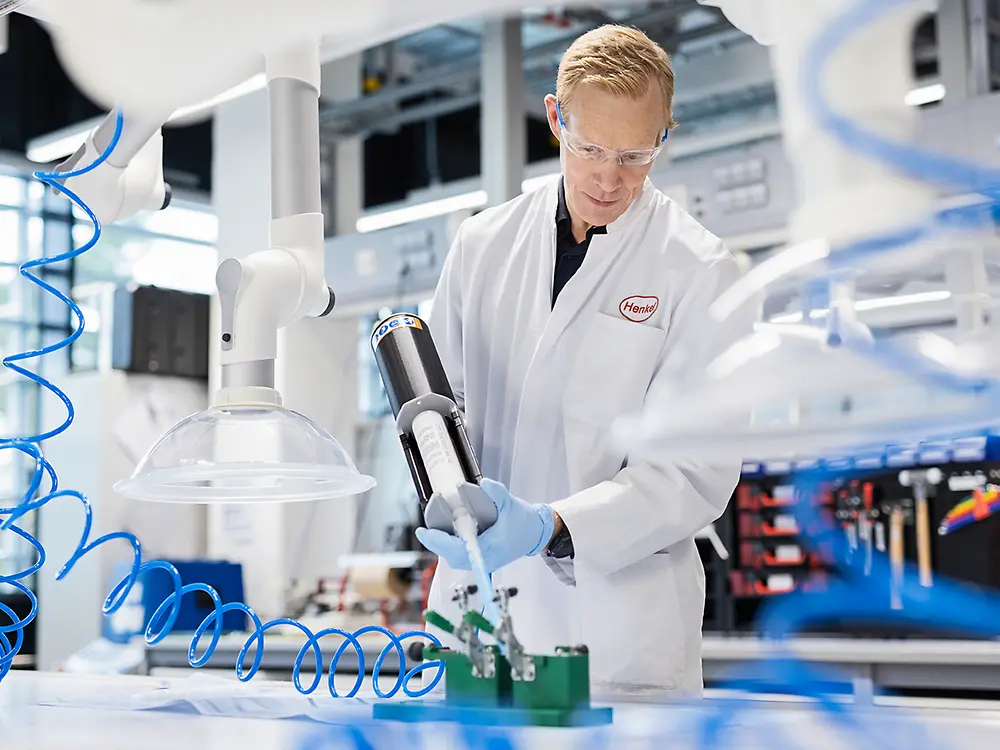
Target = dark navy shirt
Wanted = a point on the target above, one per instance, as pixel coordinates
(569, 252)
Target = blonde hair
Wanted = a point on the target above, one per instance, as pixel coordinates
(621, 60)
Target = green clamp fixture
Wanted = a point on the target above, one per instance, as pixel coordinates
(493, 687)
(477, 621)
(439, 621)
(522, 666)
(483, 660)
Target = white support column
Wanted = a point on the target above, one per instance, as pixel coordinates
(315, 371)
(953, 50)
(252, 535)
(504, 141)
(318, 359)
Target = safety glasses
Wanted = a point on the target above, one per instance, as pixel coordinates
(633, 157)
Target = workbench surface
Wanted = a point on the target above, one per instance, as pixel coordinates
(894, 664)
(58, 711)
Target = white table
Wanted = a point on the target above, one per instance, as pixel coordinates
(29, 721)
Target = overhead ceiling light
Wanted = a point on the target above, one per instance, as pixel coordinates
(792, 317)
(879, 303)
(875, 303)
(418, 211)
(405, 214)
(925, 95)
(61, 143)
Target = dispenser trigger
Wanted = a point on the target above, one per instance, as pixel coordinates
(438, 513)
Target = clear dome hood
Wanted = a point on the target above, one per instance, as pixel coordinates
(245, 454)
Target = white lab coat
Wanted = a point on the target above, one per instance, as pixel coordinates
(541, 385)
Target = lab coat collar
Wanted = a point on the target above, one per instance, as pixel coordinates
(622, 222)
(642, 200)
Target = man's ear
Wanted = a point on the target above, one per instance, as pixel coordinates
(552, 115)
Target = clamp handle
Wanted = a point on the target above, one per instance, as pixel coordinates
(228, 279)
(476, 620)
(439, 621)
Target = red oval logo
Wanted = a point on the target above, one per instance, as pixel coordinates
(639, 308)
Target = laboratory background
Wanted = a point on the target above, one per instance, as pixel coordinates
(847, 152)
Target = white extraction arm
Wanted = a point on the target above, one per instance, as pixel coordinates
(247, 447)
(148, 60)
(272, 287)
(131, 179)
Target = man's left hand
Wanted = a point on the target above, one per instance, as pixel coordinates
(521, 529)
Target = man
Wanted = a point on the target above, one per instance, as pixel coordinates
(556, 313)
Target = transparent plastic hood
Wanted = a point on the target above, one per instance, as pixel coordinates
(245, 454)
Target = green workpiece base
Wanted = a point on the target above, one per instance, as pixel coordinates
(491, 716)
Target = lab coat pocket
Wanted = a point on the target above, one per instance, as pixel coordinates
(609, 377)
(632, 623)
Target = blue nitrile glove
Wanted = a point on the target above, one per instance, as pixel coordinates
(521, 529)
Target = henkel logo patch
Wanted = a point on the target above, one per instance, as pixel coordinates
(639, 308)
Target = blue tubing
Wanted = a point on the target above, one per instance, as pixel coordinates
(165, 616)
(856, 596)
(914, 162)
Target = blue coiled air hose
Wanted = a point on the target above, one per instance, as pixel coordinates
(914, 162)
(856, 596)
(165, 616)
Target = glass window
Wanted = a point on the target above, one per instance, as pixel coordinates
(10, 236)
(36, 192)
(123, 256)
(180, 222)
(184, 223)
(8, 274)
(86, 351)
(35, 236)
(96, 302)
(101, 262)
(11, 340)
(11, 190)
(174, 265)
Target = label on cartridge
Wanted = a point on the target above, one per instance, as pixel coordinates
(441, 462)
(391, 324)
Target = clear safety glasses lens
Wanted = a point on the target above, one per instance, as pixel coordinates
(593, 152)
